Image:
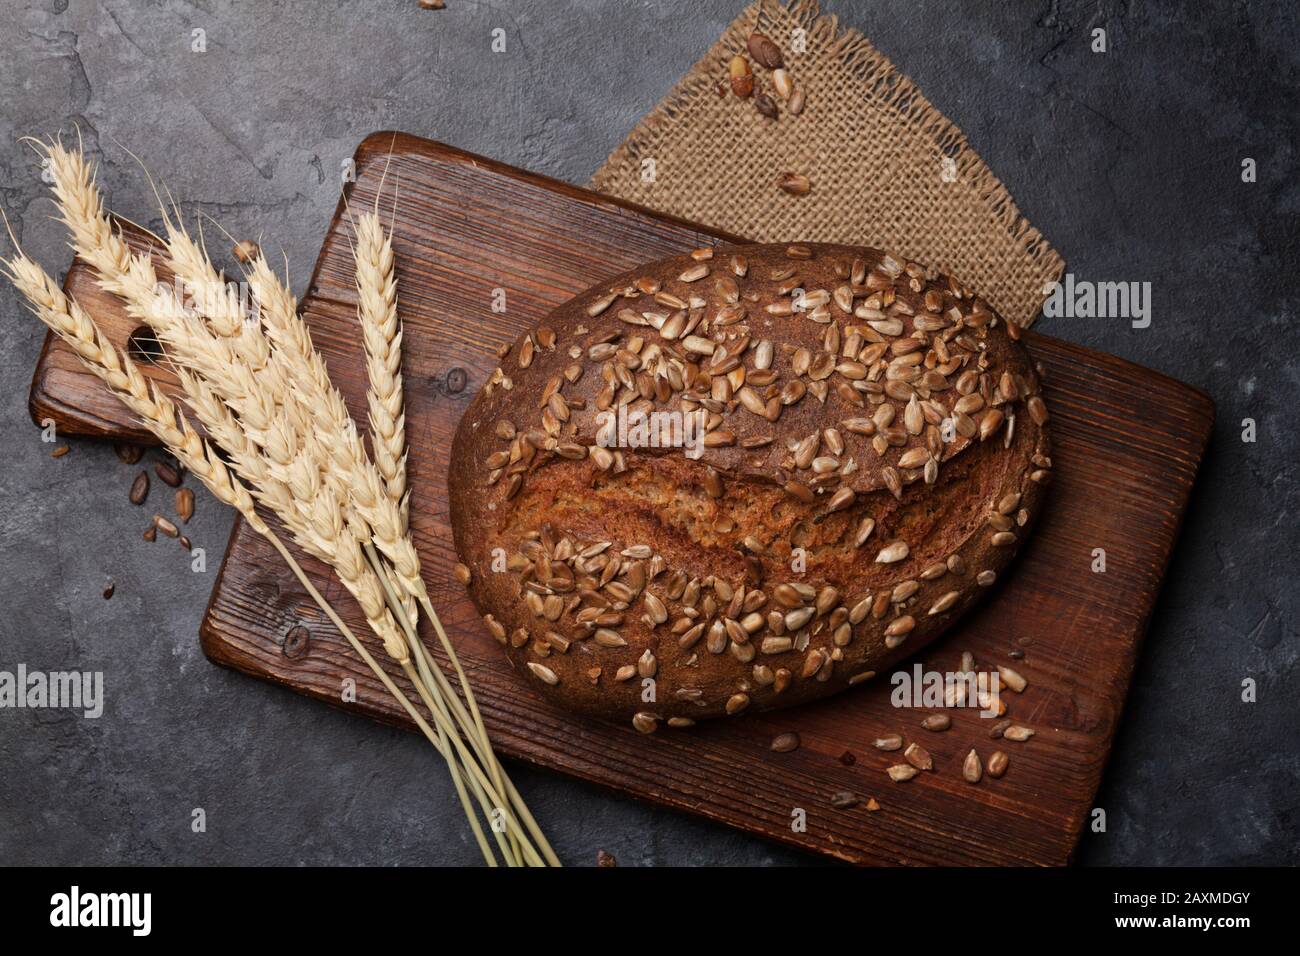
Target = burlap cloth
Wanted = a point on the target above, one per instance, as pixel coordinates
(872, 145)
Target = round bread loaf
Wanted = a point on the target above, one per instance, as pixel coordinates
(745, 478)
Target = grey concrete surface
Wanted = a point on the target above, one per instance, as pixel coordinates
(1129, 161)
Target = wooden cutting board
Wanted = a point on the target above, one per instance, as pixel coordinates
(1127, 445)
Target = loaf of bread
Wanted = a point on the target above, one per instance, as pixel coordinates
(745, 478)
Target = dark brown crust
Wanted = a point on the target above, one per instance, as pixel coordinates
(542, 495)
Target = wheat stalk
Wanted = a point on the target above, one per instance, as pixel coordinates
(322, 537)
(252, 391)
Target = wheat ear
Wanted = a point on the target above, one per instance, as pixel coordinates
(160, 415)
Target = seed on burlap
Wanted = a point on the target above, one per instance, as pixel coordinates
(795, 105)
(765, 51)
(742, 78)
(796, 184)
(184, 504)
(782, 83)
(139, 488)
(766, 105)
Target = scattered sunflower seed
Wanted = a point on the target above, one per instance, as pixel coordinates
(784, 743)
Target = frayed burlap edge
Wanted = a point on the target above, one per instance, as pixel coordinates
(883, 86)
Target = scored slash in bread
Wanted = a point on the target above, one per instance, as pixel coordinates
(874, 452)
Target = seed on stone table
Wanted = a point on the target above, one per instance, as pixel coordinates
(139, 488)
(605, 860)
(971, 769)
(166, 527)
(109, 588)
(937, 722)
(784, 743)
(998, 764)
(185, 543)
(246, 251)
(185, 504)
(167, 474)
(150, 533)
(128, 453)
(60, 451)
(845, 799)
(796, 184)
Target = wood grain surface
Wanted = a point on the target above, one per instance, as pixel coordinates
(1127, 443)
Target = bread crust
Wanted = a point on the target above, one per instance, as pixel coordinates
(835, 386)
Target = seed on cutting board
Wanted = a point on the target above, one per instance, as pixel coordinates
(971, 768)
(463, 574)
(139, 488)
(128, 453)
(998, 729)
(765, 51)
(900, 772)
(998, 763)
(1012, 679)
(784, 743)
(918, 757)
(166, 527)
(167, 474)
(1018, 733)
(796, 184)
(888, 742)
(845, 799)
(742, 78)
(766, 105)
(184, 504)
(872, 805)
(60, 451)
(848, 759)
(937, 722)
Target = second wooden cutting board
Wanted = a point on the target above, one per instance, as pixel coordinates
(485, 251)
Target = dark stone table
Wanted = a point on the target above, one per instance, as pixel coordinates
(1130, 161)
